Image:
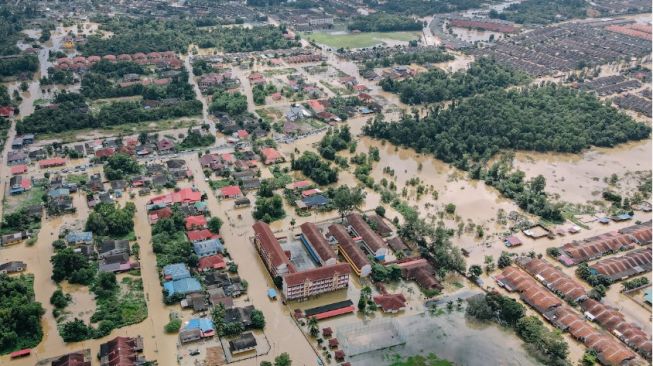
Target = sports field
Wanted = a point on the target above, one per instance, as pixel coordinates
(358, 40)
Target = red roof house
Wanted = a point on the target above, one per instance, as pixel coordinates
(271, 155)
(105, 153)
(162, 213)
(199, 235)
(6, 112)
(184, 195)
(195, 222)
(48, 163)
(316, 106)
(242, 134)
(211, 262)
(391, 303)
(18, 169)
(231, 192)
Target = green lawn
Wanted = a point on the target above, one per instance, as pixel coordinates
(358, 40)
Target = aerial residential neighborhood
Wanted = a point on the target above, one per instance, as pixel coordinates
(325, 182)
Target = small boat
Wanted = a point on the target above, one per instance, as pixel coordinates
(22, 353)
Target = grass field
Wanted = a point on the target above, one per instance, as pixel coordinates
(358, 40)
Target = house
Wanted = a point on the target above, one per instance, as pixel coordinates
(195, 222)
(207, 248)
(161, 213)
(17, 157)
(231, 192)
(184, 195)
(244, 343)
(398, 246)
(105, 152)
(6, 112)
(512, 241)
(200, 235)
(12, 267)
(242, 315)
(17, 143)
(18, 184)
(211, 262)
(314, 201)
(111, 247)
(18, 169)
(316, 106)
(165, 146)
(79, 238)
(196, 301)
(618, 268)
(333, 343)
(251, 184)
(299, 185)
(182, 286)
(117, 263)
(242, 202)
(270, 155)
(50, 163)
(122, 351)
(73, 359)
(14, 238)
(297, 113)
(203, 325)
(175, 271)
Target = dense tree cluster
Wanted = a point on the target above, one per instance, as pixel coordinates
(269, 209)
(17, 65)
(547, 118)
(119, 166)
(231, 103)
(5, 98)
(132, 112)
(407, 58)
(383, 22)
(117, 69)
(542, 11)
(421, 7)
(133, 35)
(507, 311)
(20, 318)
(261, 91)
(97, 85)
(12, 20)
(436, 85)
(72, 266)
(315, 168)
(169, 241)
(55, 76)
(107, 219)
(19, 220)
(335, 140)
(195, 138)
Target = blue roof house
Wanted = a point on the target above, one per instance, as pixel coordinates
(209, 247)
(175, 271)
(79, 237)
(183, 286)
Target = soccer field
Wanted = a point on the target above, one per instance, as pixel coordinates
(358, 40)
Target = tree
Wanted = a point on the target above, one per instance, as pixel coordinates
(118, 166)
(283, 360)
(313, 327)
(265, 363)
(105, 285)
(269, 209)
(380, 210)
(60, 300)
(504, 260)
(450, 208)
(173, 326)
(478, 308)
(75, 331)
(258, 319)
(67, 264)
(214, 224)
(345, 199)
(475, 271)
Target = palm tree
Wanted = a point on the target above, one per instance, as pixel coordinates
(313, 327)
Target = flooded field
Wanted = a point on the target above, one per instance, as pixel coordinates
(455, 338)
(580, 178)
